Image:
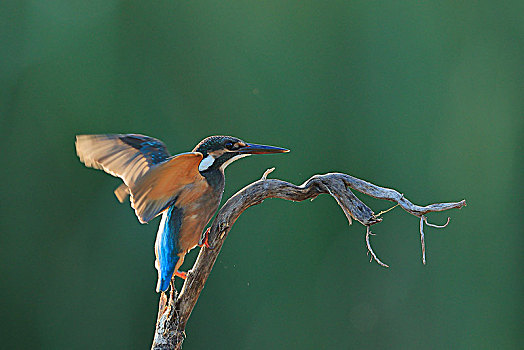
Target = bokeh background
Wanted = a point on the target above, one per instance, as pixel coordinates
(425, 97)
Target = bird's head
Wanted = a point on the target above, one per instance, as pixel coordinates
(220, 151)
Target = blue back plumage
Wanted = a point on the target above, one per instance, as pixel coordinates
(166, 246)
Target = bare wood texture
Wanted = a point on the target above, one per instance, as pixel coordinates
(175, 309)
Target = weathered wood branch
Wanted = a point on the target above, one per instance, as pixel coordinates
(175, 309)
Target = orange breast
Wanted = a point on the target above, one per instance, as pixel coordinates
(199, 204)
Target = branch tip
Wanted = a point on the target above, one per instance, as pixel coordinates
(370, 250)
(266, 173)
(424, 219)
(433, 225)
(385, 211)
(422, 244)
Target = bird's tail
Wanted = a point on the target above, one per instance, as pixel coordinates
(163, 281)
(165, 265)
(167, 258)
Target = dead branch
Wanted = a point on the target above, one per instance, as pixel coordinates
(175, 309)
(423, 220)
(370, 250)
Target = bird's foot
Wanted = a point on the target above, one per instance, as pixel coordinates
(204, 240)
(181, 274)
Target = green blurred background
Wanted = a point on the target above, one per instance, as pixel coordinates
(425, 97)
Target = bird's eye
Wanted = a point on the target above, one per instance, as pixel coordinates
(229, 145)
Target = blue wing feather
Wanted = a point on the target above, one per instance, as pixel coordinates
(153, 149)
(166, 246)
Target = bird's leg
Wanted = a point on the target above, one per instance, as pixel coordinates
(203, 240)
(181, 274)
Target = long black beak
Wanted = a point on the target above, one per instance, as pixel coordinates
(252, 148)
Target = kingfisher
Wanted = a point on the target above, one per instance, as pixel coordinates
(185, 188)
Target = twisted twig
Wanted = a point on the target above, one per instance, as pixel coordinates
(174, 311)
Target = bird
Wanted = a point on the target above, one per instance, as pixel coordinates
(186, 189)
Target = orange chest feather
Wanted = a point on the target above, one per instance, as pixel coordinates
(199, 204)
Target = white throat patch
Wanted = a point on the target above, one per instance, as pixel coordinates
(206, 163)
(223, 166)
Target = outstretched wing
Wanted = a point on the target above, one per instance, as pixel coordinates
(128, 156)
(161, 186)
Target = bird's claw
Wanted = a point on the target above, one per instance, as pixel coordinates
(181, 274)
(204, 239)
